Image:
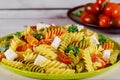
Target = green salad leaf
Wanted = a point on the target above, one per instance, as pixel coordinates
(19, 35)
(102, 39)
(72, 28)
(77, 13)
(37, 36)
(76, 50)
(4, 47)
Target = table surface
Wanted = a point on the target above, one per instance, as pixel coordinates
(16, 14)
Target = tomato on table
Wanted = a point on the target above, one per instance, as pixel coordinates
(101, 2)
(63, 58)
(109, 9)
(87, 18)
(116, 12)
(104, 21)
(92, 8)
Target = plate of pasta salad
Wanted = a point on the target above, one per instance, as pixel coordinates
(49, 51)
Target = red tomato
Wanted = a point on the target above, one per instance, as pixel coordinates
(116, 11)
(92, 8)
(109, 9)
(104, 21)
(2, 56)
(100, 2)
(96, 58)
(87, 18)
(63, 58)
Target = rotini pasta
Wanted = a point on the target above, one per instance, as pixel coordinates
(108, 45)
(14, 64)
(54, 64)
(44, 49)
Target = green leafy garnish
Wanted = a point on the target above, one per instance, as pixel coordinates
(8, 38)
(83, 38)
(72, 28)
(37, 36)
(76, 50)
(4, 47)
(102, 39)
(77, 13)
(18, 34)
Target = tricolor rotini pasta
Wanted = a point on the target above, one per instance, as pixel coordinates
(60, 50)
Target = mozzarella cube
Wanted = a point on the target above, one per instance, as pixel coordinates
(94, 39)
(56, 42)
(10, 54)
(106, 54)
(39, 59)
(80, 27)
(41, 25)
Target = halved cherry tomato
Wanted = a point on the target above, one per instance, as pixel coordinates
(100, 2)
(87, 18)
(63, 58)
(109, 9)
(2, 56)
(92, 8)
(104, 21)
(96, 58)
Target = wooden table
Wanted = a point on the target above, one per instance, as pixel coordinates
(15, 14)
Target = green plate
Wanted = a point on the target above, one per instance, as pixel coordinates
(53, 76)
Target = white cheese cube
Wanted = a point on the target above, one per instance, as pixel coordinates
(56, 42)
(94, 39)
(41, 25)
(106, 54)
(10, 54)
(39, 59)
(80, 27)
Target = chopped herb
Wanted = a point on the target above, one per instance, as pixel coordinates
(77, 13)
(8, 38)
(18, 34)
(37, 36)
(72, 28)
(76, 50)
(83, 38)
(4, 47)
(102, 39)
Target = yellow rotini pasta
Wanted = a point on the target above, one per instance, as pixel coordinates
(65, 42)
(11, 63)
(47, 51)
(87, 60)
(29, 56)
(15, 42)
(54, 64)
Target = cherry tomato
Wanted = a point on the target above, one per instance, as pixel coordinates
(96, 58)
(116, 22)
(92, 8)
(104, 21)
(63, 58)
(2, 56)
(87, 18)
(109, 9)
(100, 2)
(116, 12)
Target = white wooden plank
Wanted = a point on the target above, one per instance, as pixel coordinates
(33, 14)
(44, 3)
